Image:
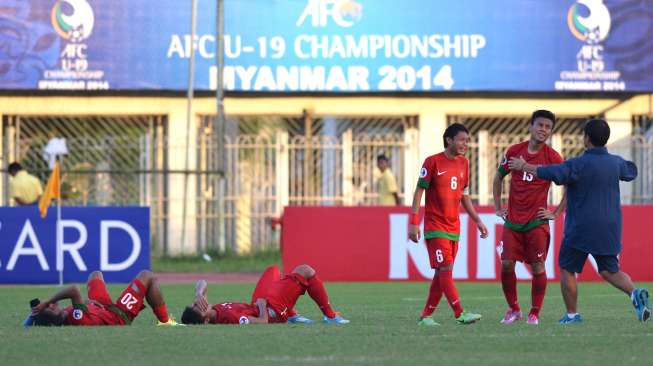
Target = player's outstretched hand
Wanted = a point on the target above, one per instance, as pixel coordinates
(544, 214)
(40, 307)
(502, 213)
(413, 233)
(516, 163)
(483, 229)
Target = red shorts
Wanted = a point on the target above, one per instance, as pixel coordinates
(283, 294)
(442, 252)
(130, 301)
(529, 246)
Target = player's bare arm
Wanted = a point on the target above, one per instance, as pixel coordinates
(469, 207)
(201, 300)
(497, 188)
(262, 311)
(70, 292)
(521, 165)
(413, 227)
(545, 214)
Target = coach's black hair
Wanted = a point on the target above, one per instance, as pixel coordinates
(543, 113)
(598, 131)
(382, 157)
(14, 168)
(48, 319)
(452, 131)
(190, 316)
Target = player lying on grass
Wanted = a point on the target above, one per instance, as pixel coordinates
(273, 301)
(99, 309)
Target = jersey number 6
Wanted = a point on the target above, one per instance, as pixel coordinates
(438, 256)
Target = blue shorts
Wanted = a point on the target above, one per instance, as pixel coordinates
(573, 260)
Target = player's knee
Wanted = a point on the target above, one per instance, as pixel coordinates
(305, 270)
(95, 275)
(538, 268)
(146, 277)
(507, 266)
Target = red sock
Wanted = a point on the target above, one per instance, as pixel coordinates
(450, 291)
(161, 313)
(318, 293)
(432, 301)
(538, 290)
(509, 284)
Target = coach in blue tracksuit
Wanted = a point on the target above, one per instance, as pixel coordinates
(593, 220)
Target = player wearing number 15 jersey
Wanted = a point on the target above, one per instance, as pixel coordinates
(526, 228)
(445, 178)
(99, 309)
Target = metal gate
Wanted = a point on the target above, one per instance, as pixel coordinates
(112, 160)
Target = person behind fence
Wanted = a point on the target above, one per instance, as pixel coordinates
(386, 183)
(24, 188)
(593, 220)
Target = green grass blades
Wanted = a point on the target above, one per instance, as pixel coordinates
(220, 262)
(383, 331)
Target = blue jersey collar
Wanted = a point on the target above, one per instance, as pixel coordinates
(597, 150)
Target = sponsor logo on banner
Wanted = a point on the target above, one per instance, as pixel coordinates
(73, 21)
(589, 21)
(343, 13)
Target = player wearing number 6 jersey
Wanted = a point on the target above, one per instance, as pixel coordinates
(99, 309)
(526, 228)
(445, 178)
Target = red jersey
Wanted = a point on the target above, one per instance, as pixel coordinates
(92, 314)
(527, 194)
(445, 181)
(234, 313)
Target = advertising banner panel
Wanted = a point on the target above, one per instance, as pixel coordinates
(371, 244)
(351, 46)
(114, 240)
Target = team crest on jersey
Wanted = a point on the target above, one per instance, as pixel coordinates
(422, 173)
(243, 320)
(77, 314)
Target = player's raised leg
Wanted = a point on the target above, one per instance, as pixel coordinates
(147, 284)
(317, 292)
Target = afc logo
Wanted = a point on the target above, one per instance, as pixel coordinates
(343, 12)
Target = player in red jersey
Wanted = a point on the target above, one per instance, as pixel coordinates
(99, 309)
(273, 301)
(526, 228)
(445, 178)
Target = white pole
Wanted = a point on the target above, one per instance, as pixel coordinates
(59, 234)
(189, 109)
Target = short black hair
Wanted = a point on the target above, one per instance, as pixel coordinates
(452, 131)
(48, 319)
(598, 131)
(382, 157)
(14, 167)
(190, 316)
(543, 113)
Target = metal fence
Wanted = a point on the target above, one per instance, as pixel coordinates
(271, 162)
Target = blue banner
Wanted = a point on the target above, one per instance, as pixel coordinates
(114, 240)
(358, 46)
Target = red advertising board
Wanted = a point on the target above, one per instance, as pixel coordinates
(371, 244)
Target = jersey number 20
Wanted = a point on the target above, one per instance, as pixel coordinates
(128, 300)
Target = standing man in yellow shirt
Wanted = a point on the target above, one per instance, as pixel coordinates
(24, 188)
(386, 184)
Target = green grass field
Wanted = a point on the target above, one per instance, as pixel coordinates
(383, 332)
